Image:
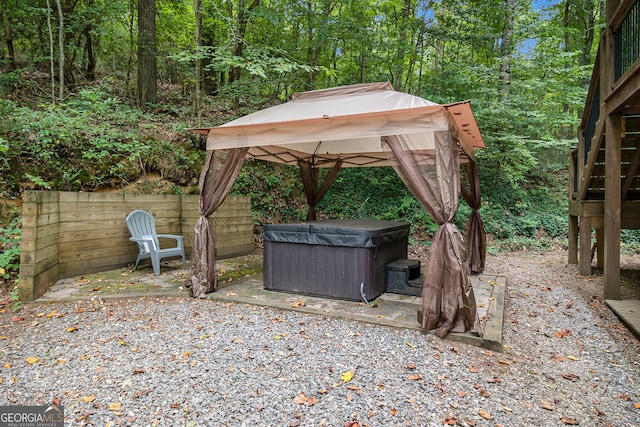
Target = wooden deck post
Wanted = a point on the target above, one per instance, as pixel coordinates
(584, 264)
(612, 205)
(573, 239)
(600, 247)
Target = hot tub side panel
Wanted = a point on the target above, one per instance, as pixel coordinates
(329, 271)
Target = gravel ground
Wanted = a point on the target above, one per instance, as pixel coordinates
(187, 362)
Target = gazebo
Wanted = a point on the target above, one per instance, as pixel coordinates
(363, 125)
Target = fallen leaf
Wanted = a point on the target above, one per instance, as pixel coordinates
(347, 376)
(238, 341)
(408, 344)
(462, 393)
(87, 399)
(504, 362)
(411, 366)
(17, 319)
(484, 414)
(139, 371)
(563, 333)
(575, 359)
(300, 399)
(7, 365)
(469, 422)
(570, 377)
(450, 421)
(414, 377)
(115, 406)
(312, 401)
(636, 405)
(472, 369)
(32, 360)
(141, 393)
(548, 406)
(298, 303)
(569, 421)
(354, 388)
(72, 328)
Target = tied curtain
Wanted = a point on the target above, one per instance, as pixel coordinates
(476, 235)
(310, 173)
(447, 302)
(221, 169)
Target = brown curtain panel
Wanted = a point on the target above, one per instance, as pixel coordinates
(447, 301)
(221, 169)
(476, 236)
(310, 174)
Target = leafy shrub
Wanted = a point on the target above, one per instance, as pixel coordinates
(10, 250)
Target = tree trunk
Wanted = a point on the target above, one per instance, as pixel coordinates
(147, 61)
(506, 49)
(241, 27)
(61, 47)
(197, 6)
(132, 13)
(402, 46)
(90, 71)
(8, 36)
(51, 62)
(565, 24)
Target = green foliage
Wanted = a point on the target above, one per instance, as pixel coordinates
(275, 190)
(10, 249)
(91, 141)
(14, 298)
(256, 54)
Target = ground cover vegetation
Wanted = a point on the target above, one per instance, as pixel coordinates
(97, 95)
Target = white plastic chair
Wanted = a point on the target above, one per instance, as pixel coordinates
(142, 227)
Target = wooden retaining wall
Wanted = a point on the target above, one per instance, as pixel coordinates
(67, 234)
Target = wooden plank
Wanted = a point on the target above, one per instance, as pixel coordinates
(39, 208)
(37, 196)
(628, 311)
(97, 253)
(32, 245)
(33, 287)
(584, 262)
(573, 240)
(119, 207)
(612, 208)
(98, 215)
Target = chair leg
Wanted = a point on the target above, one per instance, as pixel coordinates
(155, 262)
(184, 261)
(137, 262)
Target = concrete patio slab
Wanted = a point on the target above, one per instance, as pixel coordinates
(240, 281)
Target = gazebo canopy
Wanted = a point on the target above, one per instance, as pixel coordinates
(356, 126)
(346, 123)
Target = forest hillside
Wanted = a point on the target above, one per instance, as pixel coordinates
(98, 95)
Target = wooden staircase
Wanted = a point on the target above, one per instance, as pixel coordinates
(605, 166)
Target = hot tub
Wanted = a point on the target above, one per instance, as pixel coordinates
(344, 259)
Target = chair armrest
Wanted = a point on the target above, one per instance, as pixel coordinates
(171, 236)
(145, 243)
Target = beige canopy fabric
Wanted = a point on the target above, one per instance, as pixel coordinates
(358, 126)
(346, 124)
